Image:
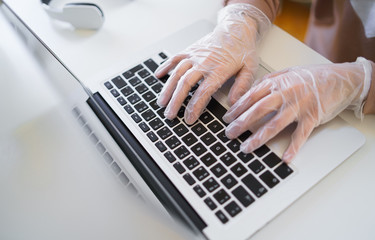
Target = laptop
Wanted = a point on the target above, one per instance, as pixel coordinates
(190, 173)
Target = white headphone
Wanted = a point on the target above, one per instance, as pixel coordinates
(80, 15)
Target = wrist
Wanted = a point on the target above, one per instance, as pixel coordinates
(369, 107)
(249, 14)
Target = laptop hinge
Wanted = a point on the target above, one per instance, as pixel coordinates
(158, 182)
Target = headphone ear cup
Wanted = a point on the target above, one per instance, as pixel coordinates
(83, 15)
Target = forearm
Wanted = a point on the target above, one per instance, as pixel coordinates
(268, 7)
(369, 107)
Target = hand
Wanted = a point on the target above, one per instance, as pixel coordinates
(229, 50)
(309, 95)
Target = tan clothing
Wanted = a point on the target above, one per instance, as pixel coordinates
(334, 30)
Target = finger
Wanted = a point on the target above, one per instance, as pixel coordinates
(299, 137)
(168, 65)
(183, 88)
(170, 86)
(201, 98)
(244, 80)
(252, 96)
(268, 131)
(258, 111)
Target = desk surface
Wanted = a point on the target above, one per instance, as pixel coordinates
(32, 181)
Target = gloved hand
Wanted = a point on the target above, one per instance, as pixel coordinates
(229, 50)
(310, 96)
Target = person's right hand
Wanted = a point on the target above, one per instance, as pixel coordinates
(229, 50)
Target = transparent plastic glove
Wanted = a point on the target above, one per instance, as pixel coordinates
(229, 50)
(310, 96)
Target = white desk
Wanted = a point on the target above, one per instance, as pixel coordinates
(38, 200)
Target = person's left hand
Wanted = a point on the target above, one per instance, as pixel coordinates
(309, 95)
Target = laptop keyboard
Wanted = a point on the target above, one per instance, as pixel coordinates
(226, 179)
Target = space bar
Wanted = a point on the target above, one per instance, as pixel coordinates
(217, 109)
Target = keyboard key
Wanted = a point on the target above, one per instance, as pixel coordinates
(164, 79)
(130, 73)
(150, 64)
(221, 135)
(200, 173)
(208, 139)
(218, 148)
(238, 169)
(211, 205)
(181, 112)
(189, 179)
(135, 81)
(144, 127)
(199, 129)
(221, 216)
(233, 209)
(269, 179)
(160, 146)
(156, 123)
(108, 85)
(243, 196)
(218, 170)
(229, 181)
(152, 136)
(256, 166)
(133, 99)
(115, 93)
(172, 142)
(181, 152)
(244, 136)
(262, 151)
(271, 160)
(154, 105)
(148, 96)
(206, 117)
(245, 157)
(170, 157)
(211, 184)
(221, 196)
(128, 109)
(180, 130)
(283, 171)
(141, 106)
(191, 162)
(136, 118)
(216, 109)
(143, 73)
(151, 80)
(199, 191)
(164, 133)
(121, 100)
(254, 185)
(148, 115)
(173, 122)
(208, 159)
(157, 87)
(126, 91)
(215, 126)
(228, 159)
(234, 145)
(119, 82)
(141, 88)
(198, 149)
(161, 112)
(162, 55)
(189, 139)
(178, 166)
